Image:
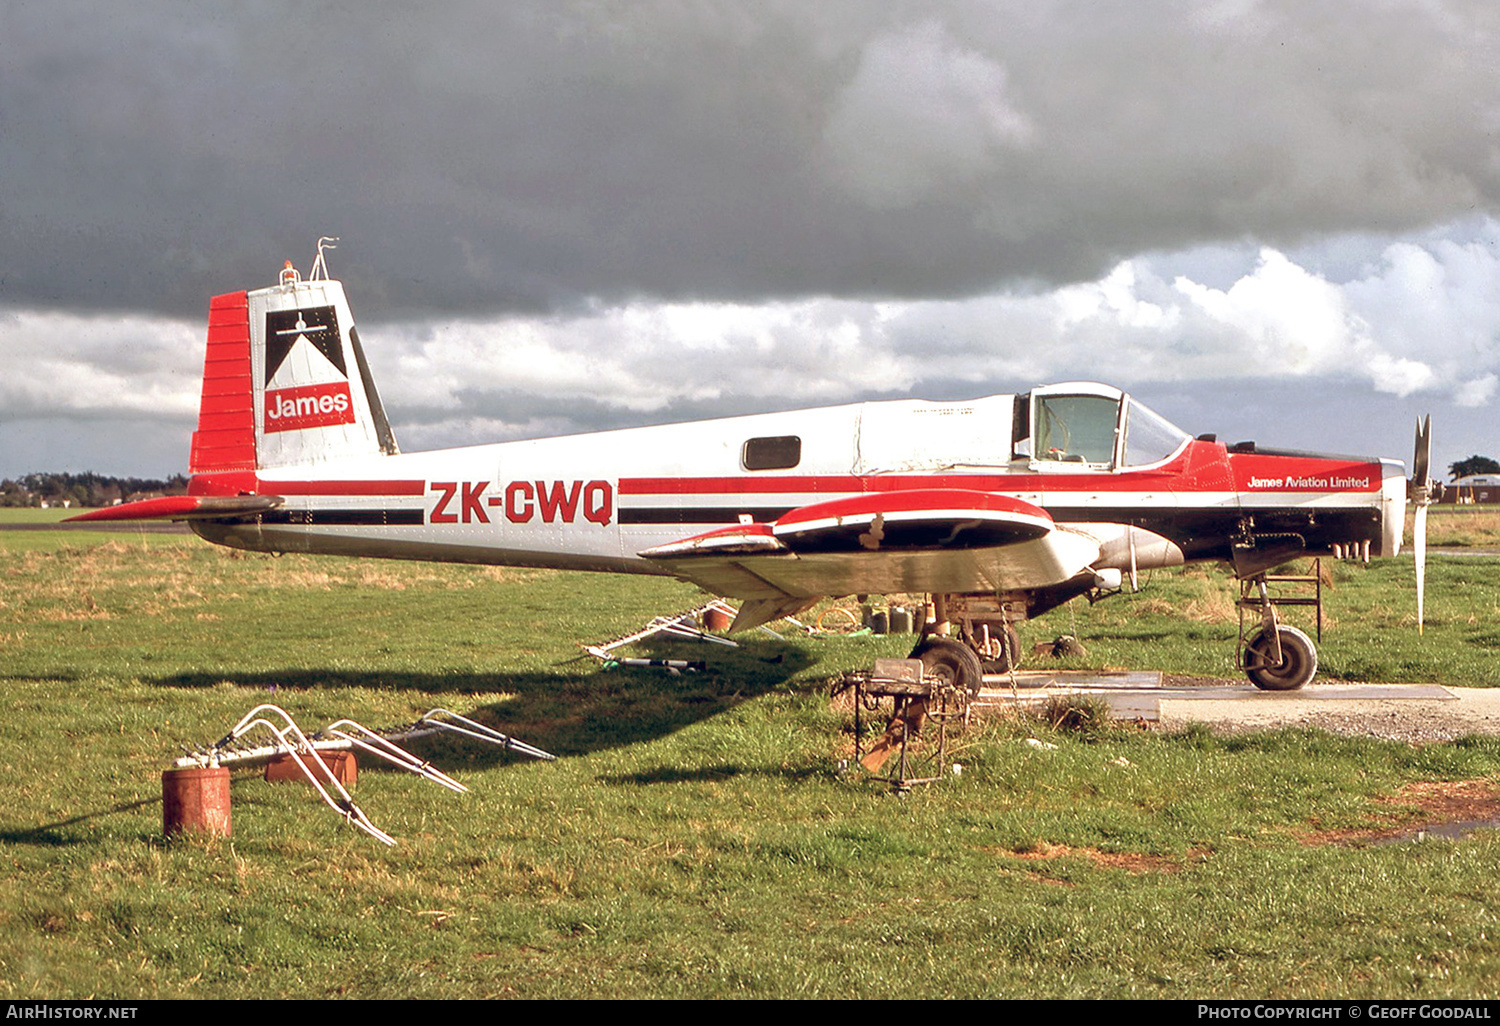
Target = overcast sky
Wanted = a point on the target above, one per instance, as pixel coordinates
(1275, 220)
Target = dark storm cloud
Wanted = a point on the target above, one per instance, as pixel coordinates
(483, 158)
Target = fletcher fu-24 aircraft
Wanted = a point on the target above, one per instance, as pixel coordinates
(999, 508)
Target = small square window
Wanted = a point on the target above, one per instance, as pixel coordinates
(781, 452)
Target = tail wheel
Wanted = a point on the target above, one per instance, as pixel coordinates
(1297, 666)
(952, 662)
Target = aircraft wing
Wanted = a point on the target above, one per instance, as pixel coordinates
(927, 540)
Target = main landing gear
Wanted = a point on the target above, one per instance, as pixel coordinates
(970, 635)
(983, 640)
(951, 662)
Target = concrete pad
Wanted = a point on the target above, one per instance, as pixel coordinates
(1414, 713)
(1314, 692)
(1074, 679)
(1130, 694)
(1143, 695)
(1123, 705)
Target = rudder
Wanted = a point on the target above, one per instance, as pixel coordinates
(225, 439)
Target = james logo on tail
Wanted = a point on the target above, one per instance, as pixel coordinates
(306, 382)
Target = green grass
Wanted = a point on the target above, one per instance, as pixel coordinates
(694, 839)
(73, 535)
(30, 515)
(1461, 526)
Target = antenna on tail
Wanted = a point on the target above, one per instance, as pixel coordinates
(319, 271)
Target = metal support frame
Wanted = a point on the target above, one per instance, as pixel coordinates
(1256, 594)
(916, 702)
(231, 751)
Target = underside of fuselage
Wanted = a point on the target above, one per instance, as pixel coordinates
(363, 541)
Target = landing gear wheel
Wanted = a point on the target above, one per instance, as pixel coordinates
(1010, 652)
(951, 661)
(1298, 665)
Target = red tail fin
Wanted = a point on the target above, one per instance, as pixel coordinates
(225, 439)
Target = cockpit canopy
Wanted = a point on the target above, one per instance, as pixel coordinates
(1096, 426)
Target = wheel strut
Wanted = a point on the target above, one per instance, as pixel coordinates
(1275, 657)
(984, 625)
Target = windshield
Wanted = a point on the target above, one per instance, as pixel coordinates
(1150, 438)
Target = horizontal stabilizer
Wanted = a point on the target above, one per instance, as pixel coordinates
(184, 507)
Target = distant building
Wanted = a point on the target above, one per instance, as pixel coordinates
(1476, 488)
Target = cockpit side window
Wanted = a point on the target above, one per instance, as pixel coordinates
(1076, 429)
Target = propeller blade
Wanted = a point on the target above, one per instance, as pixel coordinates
(1422, 455)
(1421, 495)
(1419, 548)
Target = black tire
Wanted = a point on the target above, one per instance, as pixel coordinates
(1299, 660)
(951, 660)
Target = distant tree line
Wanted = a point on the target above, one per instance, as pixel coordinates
(86, 489)
(1473, 465)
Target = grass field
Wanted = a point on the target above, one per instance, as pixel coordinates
(1461, 526)
(31, 515)
(694, 839)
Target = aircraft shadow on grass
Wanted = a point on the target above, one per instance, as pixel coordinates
(572, 709)
(57, 834)
(710, 774)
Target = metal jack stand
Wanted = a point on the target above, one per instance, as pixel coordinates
(916, 702)
(1255, 594)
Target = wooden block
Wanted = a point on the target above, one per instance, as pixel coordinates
(286, 767)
